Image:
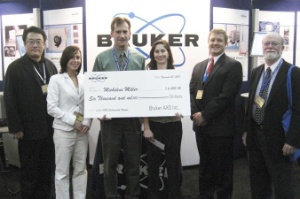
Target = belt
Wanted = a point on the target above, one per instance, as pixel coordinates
(258, 125)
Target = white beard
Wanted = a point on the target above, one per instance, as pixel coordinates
(271, 56)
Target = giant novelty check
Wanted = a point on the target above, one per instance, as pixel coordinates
(137, 93)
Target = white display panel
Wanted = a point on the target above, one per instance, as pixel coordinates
(63, 28)
(281, 22)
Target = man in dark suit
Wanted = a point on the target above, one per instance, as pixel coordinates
(25, 93)
(213, 93)
(269, 148)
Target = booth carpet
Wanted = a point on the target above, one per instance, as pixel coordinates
(188, 188)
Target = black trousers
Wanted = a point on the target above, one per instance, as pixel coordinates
(216, 166)
(269, 170)
(37, 167)
(170, 134)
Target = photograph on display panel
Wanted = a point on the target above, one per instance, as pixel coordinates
(12, 47)
(61, 36)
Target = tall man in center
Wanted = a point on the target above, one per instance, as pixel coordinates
(214, 86)
(120, 132)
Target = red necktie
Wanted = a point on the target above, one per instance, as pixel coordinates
(210, 66)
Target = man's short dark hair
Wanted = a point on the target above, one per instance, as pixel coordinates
(33, 29)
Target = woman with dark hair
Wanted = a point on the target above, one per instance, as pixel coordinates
(167, 130)
(65, 104)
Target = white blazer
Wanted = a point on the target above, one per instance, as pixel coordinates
(64, 99)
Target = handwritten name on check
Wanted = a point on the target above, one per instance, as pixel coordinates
(137, 93)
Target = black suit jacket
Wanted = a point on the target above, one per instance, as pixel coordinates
(219, 95)
(25, 104)
(276, 106)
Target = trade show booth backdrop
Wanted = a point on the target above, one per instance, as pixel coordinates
(184, 24)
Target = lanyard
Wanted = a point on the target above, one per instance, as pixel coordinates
(117, 60)
(266, 82)
(43, 79)
(205, 76)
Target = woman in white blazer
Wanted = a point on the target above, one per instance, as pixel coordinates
(65, 103)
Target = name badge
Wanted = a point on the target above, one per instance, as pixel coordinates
(45, 88)
(199, 94)
(79, 116)
(259, 101)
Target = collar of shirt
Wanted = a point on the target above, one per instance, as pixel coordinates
(120, 52)
(216, 58)
(273, 66)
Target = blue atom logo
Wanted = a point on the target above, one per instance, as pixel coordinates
(152, 24)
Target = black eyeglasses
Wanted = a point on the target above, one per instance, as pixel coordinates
(33, 42)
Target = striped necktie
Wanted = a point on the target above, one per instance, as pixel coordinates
(122, 61)
(263, 93)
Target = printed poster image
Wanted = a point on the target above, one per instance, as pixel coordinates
(268, 26)
(61, 36)
(63, 28)
(11, 47)
(57, 39)
(12, 28)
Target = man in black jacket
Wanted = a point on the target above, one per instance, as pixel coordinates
(269, 148)
(214, 88)
(25, 92)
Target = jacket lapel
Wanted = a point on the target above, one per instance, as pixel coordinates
(256, 80)
(80, 83)
(69, 81)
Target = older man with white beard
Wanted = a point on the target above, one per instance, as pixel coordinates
(269, 148)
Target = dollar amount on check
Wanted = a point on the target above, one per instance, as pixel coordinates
(137, 93)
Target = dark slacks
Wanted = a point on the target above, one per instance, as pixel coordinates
(216, 166)
(117, 134)
(269, 168)
(170, 134)
(37, 167)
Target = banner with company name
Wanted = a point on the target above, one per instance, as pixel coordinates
(183, 24)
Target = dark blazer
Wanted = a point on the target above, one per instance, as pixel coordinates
(276, 106)
(25, 104)
(219, 95)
